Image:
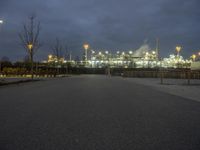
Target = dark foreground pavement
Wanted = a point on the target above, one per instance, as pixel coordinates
(95, 113)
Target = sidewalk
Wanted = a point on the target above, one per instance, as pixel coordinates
(9, 81)
(176, 87)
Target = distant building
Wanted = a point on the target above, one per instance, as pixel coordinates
(55, 59)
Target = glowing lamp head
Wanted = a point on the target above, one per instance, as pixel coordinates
(199, 53)
(130, 52)
(50, 56)
(153, 52)
(117, 52)
(106, 52)
(30, 46)
(86, 46)
(1, 21)
(194, 56)
(123, 53)
(178, 48)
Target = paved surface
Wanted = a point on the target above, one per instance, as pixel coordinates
(178, 87)
(96, 113)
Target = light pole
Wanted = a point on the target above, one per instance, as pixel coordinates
(1, 22)
(194, 57)
(178, 49)
(86, 47)
(30, 48)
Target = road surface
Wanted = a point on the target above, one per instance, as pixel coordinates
(96, 113)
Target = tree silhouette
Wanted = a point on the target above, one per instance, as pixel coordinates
(29, 37)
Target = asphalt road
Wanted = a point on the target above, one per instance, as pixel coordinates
(96, 113)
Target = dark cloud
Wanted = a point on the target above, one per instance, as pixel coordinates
(105, 24)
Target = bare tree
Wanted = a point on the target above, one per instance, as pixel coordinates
(29, 37)
(57, 49)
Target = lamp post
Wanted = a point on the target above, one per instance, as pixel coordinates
(30, 48)
(194, 57)
(1, 22)
(107, 55)
(86, 47)
(178, 49)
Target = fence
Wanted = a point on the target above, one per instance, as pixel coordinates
(186, 74)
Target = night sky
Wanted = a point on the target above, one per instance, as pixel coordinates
(104, 24)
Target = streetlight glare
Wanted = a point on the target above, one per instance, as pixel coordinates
(50, 56)
(30, 46)
(1, 21)
(178, 48)
(194, 57)
(86, 46)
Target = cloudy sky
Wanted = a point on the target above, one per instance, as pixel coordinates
(104, 24)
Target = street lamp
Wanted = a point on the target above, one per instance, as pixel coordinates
(30, 46)
(194, 57)
(1, 22)
(86, 47)
(178, 49)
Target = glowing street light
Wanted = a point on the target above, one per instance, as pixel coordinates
(30, 46)
(1, 21)
(153, 52)
(130, 52)
(86, 47)
(106, 52)
(50, 56)
(194, 57)
(178, 49)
